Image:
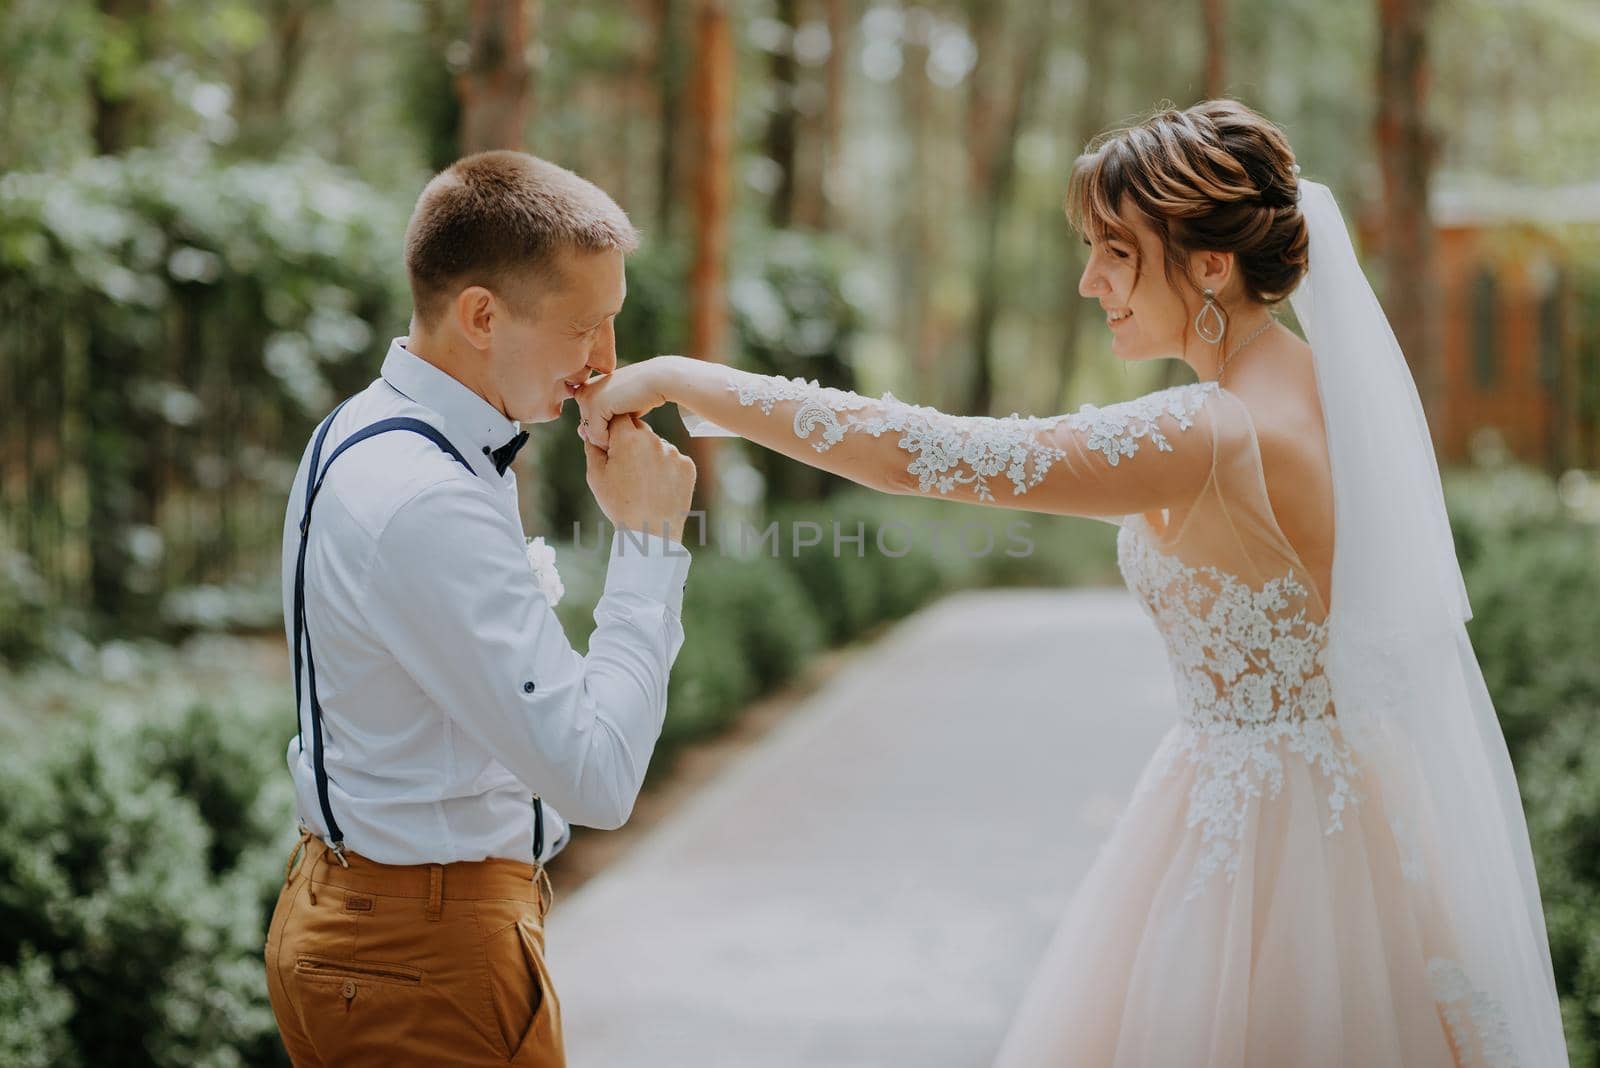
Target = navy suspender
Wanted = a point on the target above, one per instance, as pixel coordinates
(315, 475)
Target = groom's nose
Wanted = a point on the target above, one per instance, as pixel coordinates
(603, 359)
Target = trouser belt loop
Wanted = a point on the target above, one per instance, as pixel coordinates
(296, 855)
(311, 876)
(435, 891)
(545, 892)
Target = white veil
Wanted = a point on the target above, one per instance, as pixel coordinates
(1407, 689)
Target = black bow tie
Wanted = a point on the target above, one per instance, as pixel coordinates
(508, 452)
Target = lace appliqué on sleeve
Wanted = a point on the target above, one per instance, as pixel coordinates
(948, 451)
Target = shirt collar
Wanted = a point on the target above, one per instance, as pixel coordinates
(469, 419)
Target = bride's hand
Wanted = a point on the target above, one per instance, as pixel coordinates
(631, 390)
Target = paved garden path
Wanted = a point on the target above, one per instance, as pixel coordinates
(874, 882)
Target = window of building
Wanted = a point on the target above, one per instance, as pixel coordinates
(1485, 341)
(1550, 315)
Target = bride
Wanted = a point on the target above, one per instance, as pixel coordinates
(1325, 862)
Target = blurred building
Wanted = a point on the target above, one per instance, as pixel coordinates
(1518, 278)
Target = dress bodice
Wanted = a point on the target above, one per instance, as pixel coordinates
(1238, 653)
(1248, 661)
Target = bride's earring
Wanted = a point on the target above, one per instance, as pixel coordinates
(1210, 324)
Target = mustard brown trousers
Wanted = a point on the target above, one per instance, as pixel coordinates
(390, 966)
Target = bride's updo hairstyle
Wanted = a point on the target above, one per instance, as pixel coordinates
(1215, 177)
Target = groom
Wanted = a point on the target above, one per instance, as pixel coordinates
(443, 714)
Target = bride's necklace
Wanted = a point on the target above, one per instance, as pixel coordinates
(1254, 334)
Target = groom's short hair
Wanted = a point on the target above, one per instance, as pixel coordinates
(501, 220)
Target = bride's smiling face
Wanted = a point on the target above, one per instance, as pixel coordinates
(1148, 315)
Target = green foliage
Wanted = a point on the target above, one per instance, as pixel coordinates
(709, 683)
(915, 548)
(793, 315)
(765, 608)
(137, 947)
(34, 1013)
(216, 762)
(1490, 506)
(1533, 576)
(1536, 615)
(194, 321)
(26, 614)
(1561, 792)
(1532, 567)
(791, 307)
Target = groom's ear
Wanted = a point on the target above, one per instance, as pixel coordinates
(473, 313)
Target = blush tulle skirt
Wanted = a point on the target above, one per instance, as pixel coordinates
(1256, 905)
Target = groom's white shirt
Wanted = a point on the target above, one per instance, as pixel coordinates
(450, 692)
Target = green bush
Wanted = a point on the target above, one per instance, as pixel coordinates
(1536, 618)
(138, 951)
(793, 314)
(1560, 781)
(709, 683)
(946, 546)
(845, 589)
(748, 627)
(34, 1015)
(26, 616)
(1532, 567)
(1490, 505)
(193, 321)
(772, 620)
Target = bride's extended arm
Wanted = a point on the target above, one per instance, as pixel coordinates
(1152, 452)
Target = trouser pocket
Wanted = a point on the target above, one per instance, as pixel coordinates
(356, 971)
(524, 1001)
(358, 1013)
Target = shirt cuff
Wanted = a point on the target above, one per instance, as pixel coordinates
(557, 833)
(650, 565)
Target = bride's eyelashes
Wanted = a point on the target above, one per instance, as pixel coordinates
(1121, 254)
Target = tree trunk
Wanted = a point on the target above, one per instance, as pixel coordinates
(1002, 119)
(266, 77)
(120, 458)
(919, 211)
(1216, 18)
(783, 126)
(1406, 149)
(1099, 29)
(812, 106)
(116, 114)
(494, 88)
(713, 198)
(839, 25)
(669, 86)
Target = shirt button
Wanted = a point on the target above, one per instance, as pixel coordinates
(527, 687)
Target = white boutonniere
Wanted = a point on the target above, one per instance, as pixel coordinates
(542, 559)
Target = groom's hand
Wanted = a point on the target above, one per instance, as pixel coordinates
(630, 390)
(641, 482)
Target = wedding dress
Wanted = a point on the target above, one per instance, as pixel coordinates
(1325, 863)
(1261, 901)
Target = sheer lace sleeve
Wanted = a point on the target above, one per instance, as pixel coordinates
(1151, 452)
